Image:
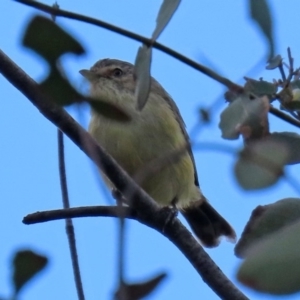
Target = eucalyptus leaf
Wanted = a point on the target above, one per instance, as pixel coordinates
(166, 11)
(291, 141)
(138, 291)
(274, 62)
(261, 164)
(272, 265)
(142, 75)
(26, 264)
(266, 220)
(60, 89)
(49, 40)
(260, 87)
(245, 116)
(260, 13)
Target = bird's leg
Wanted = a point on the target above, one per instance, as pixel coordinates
(169, 213)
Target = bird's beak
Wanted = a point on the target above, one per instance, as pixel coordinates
(88, 74)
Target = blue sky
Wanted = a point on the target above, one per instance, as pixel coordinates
(217, 33)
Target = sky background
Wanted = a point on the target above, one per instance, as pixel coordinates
(217, 33)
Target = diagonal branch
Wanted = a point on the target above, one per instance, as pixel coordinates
(147, 209)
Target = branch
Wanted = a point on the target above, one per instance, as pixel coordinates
(149, 42)
(68, 222)
(79, 212)
(281, 115)
(147, 209)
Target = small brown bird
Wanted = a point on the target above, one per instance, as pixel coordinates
(153, 133)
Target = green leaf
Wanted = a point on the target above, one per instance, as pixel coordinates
(266, 220)
(26, 264)
(49, 40)
(295, 84)
(272, 265)
(260, 87)
(274, 62)
(260, 13)
(245, 116)
(165, 14)
(291, 141)
(138, 291)
(260, 164)
(143, 77)
(294, 105)
(60, 90)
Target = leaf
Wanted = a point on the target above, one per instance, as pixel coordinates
(260, 88)
(139, 290)
(49, 40)
(26, 264)
(295, 84)
(60, 90)
(260, 13)
(274, 62)
(166, 11)
(260, 164)
(272, 265)
(142, 75)
(266, 220)
(289, 97)
(294, 105)
(245, 116)
(291, 141)
(109, 110)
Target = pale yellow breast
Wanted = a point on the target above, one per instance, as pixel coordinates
(139, 143)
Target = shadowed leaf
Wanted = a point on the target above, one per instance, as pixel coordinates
(295, 84)
(166, 11)
(261, 164)
(260, 88)
(291, 141)
(246, 116)
(274, 62)
(60, 89)
(267, 219)
(139, 290)
(272, 265)
(49, 40)
(142, 75)
(26, 265)
(260, 13)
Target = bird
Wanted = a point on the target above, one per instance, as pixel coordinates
(153, 133)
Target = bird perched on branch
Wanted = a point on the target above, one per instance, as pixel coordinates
(153, 147)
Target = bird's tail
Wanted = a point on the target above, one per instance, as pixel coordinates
(207, 224)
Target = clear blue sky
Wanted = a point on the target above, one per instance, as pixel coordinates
(217, 33)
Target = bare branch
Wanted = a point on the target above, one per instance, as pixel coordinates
(281, 115)
(69, 223)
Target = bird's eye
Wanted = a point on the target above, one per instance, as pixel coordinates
(117, 72)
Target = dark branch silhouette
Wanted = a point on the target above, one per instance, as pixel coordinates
(68, 222)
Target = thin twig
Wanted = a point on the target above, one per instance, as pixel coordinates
(79, 212)
(148, 210)
(149, 42)
(69, 223)
(282, 72)
(291, 68)
(281, 115)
